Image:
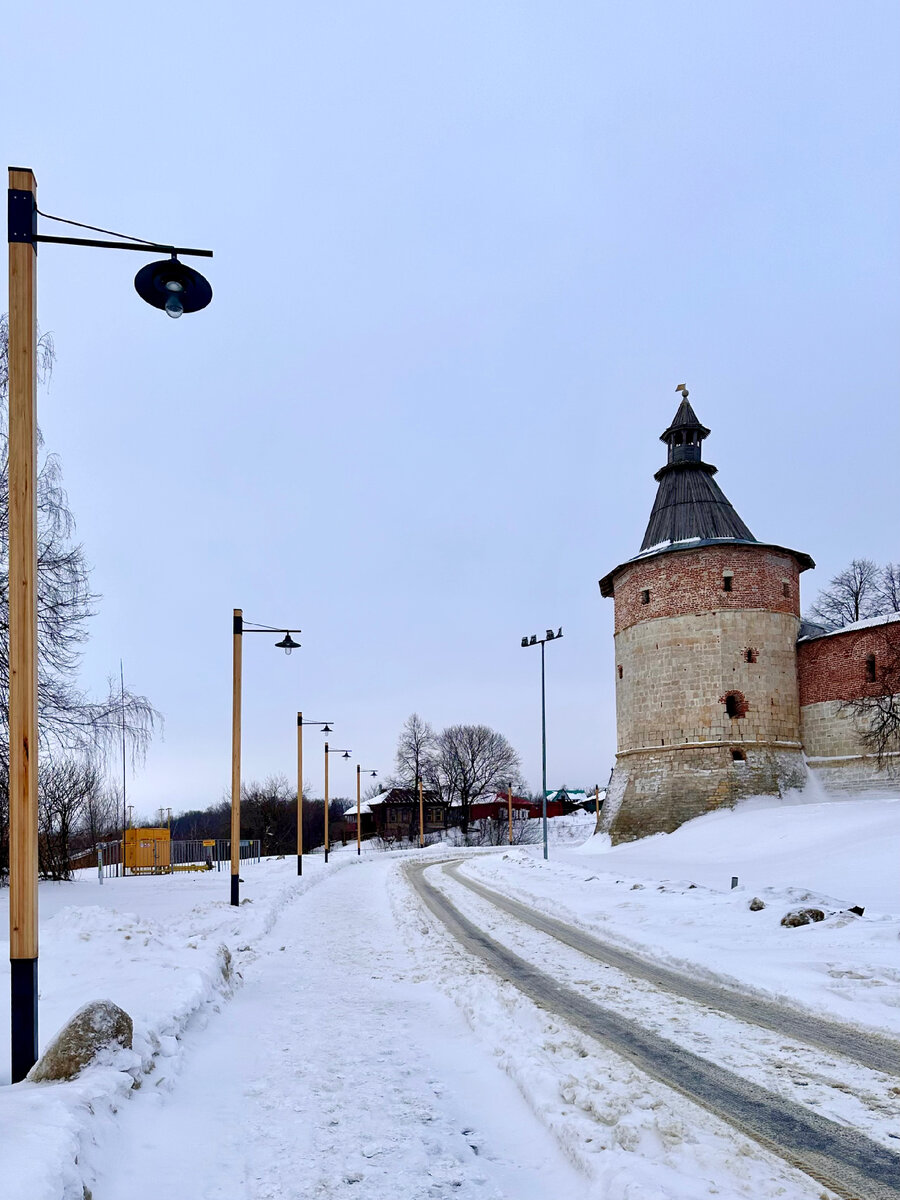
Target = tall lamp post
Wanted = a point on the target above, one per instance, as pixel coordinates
(344, 754)
(326, 728)
(169, 285)
(287, 644)
(421, 814)
(534, 640)
(359, 771)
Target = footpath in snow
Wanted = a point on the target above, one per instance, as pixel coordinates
(328, 1038)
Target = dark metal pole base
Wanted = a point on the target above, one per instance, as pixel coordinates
(326, 854)
(235, 889)
(299, 864)
(24, 1015)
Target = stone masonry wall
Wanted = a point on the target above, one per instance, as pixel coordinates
(673, 676)
(829, 731)
(656, 791)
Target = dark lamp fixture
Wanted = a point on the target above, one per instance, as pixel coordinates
(525, 641)
(326, 729)
(346, 754)
(287, 644)
(170, 285)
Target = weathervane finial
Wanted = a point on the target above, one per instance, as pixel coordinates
(682, 387)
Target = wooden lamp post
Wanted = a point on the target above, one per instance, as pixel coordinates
(421, 815)
(345, 754)
(368, 771)
(325, 729)
(287, 644)
(178, 289)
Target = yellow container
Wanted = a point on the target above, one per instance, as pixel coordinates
(147, 851)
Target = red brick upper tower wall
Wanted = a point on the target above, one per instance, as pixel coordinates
(835, 667)
(693, 580)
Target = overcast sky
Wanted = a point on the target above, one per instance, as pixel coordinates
(463, 254)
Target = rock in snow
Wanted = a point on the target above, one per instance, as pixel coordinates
(96, 1025)
(757, 905)
(802, 916)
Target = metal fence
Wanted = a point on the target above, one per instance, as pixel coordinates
(194, 854)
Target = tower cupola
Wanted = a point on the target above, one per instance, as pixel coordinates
(685, 435)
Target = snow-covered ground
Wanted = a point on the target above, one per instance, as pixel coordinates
(328, 1038)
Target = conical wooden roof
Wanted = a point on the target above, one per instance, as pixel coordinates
(689, 503)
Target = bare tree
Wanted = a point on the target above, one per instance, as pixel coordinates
(415, 755)
(70, 723)
(854, 594)
(877, 711)
(889, 588)
(269, 813)
(102, 814)
(65, 787)
(473, 761)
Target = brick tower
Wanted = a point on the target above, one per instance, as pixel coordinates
(706, 624)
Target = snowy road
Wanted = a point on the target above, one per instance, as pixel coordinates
(332, 1072)
(864, 1047)
(831, 1151)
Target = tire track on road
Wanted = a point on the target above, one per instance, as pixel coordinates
(871, 1050)
(837, 1156)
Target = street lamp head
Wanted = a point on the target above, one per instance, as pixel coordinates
(550, 635)
(525, 640)
(373, 774)
(287, 644)
(326, 729)
(533, 641)
(170, 285)
(346, 754)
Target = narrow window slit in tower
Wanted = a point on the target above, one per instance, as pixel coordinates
(785, 588)
(871, 674)
(751, 656)
(645, 596)
(727, 580)
(738, 756)
(620, 672)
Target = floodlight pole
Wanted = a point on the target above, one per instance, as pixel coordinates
(535, 641)
(543, 751)
(509, 806)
